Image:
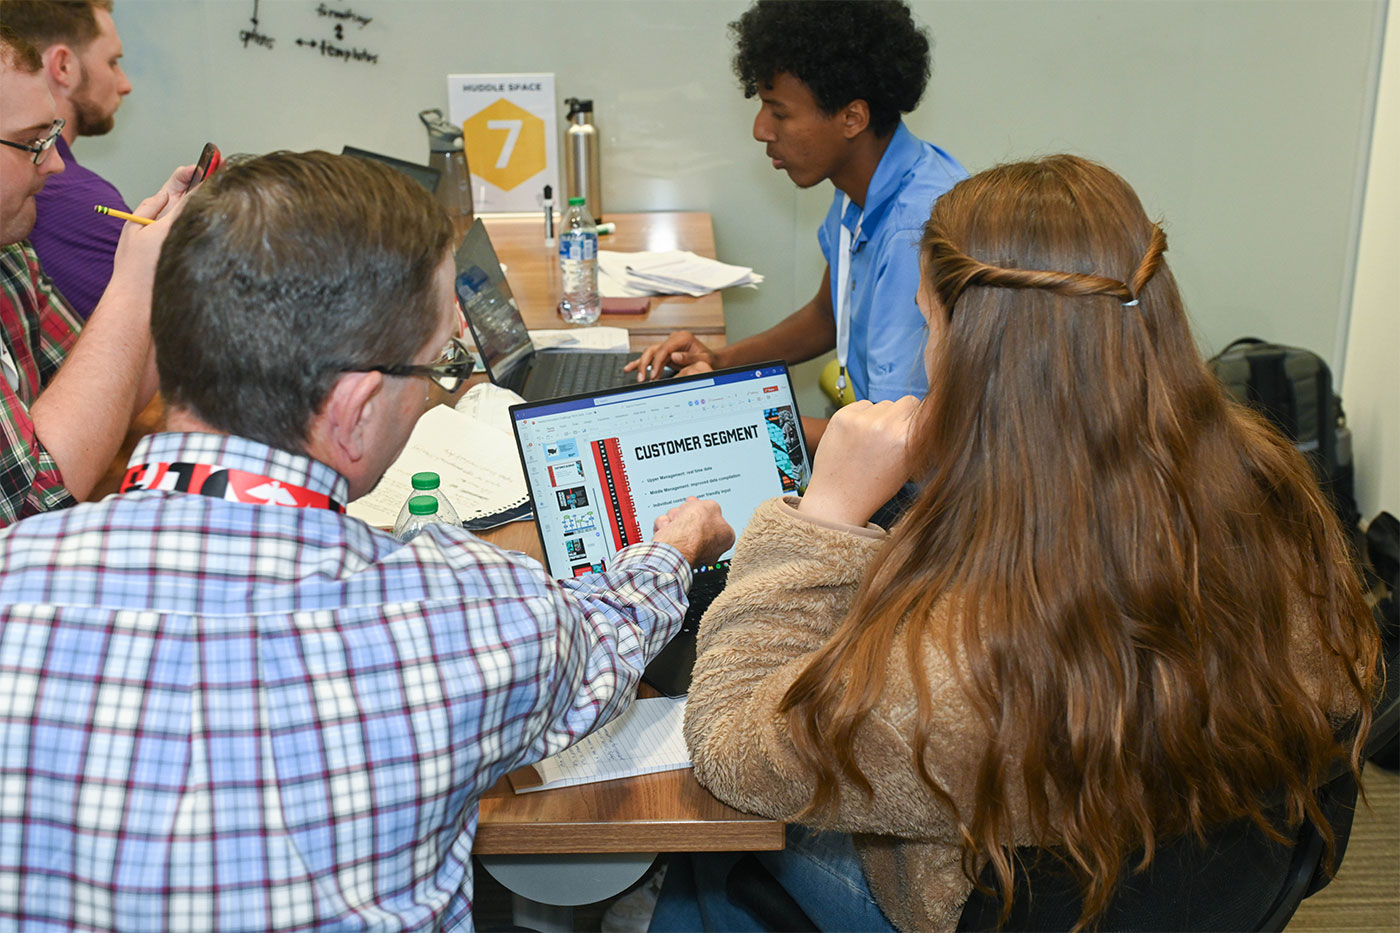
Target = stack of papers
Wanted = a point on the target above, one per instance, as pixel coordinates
(674, 272)
(491, 403)
(581, 338)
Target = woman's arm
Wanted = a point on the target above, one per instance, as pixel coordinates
(792, 583)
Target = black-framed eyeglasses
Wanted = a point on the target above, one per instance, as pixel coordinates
(449, 372)
(41, 145)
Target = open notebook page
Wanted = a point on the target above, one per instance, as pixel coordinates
(645, 739)
(478, 463)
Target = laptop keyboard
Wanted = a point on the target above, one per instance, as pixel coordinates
(580, 372)
(704, 587)
(669, 671)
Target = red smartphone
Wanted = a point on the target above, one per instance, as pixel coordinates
(209, 160)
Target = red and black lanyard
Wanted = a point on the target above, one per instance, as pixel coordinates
(225, 483)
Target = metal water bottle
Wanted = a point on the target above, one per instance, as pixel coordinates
(582, 170)
(446, 154)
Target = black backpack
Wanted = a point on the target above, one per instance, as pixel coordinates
(1293, 389)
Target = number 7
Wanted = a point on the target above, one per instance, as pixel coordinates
(512, 128)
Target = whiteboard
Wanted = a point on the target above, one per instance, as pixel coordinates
(1243, 125)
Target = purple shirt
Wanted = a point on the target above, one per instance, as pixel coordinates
(75, 246)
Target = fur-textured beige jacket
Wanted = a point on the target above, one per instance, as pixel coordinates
(791, 583)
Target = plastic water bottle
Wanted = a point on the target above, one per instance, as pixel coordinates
(426, 506)
(430, 484)
(578, 265)
(422, 512)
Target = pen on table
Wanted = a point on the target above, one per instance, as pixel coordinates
(548, 216)
(605, 229)
(113, 212)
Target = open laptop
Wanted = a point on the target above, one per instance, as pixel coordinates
(425, 175)
(602, 466)
(503, 341)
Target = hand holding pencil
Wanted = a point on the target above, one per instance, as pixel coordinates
(169, 194)
(134, 264)
(113, 212)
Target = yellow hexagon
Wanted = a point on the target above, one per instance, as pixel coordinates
(505, 144)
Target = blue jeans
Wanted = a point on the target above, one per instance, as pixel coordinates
(820, 870)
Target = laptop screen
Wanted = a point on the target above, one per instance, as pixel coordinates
(492, 314)
(425, 175)
(602, 467)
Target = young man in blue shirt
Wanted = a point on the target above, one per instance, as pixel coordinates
(833, 79)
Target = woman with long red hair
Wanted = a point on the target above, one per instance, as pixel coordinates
(1119, 611)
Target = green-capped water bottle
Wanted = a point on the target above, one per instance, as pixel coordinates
(421, 511)
(428, 484)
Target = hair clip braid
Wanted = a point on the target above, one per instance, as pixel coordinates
(960, 271)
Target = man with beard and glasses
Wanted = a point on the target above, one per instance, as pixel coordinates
(82, 64)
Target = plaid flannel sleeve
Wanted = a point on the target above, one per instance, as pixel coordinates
(39, 324)
(617, 621)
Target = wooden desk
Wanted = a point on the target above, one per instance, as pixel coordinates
(533, 268)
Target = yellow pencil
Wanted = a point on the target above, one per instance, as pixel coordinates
(113, 212)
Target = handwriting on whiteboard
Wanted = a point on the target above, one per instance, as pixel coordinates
(334, 46)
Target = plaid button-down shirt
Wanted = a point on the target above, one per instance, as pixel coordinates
(38, 329)
(216, 715)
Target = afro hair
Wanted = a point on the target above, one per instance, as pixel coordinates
(843, 50)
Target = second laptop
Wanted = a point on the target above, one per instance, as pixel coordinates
(509, 355)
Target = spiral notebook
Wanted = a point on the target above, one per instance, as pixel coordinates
(478, 463)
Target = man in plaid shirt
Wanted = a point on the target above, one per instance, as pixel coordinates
(61, 428)
(224, 703)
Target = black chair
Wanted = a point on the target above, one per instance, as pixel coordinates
(1240, 880)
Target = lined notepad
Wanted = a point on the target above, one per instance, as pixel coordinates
(478, 463)
(645, 739)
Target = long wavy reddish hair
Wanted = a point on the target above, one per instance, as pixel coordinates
(1123, 547)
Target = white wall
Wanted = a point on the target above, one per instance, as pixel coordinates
(1242, 124)
(1371, 384)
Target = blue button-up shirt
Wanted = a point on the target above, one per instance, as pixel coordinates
(886, 358)
(216, 715)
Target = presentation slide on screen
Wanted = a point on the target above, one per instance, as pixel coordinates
(611, 473)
